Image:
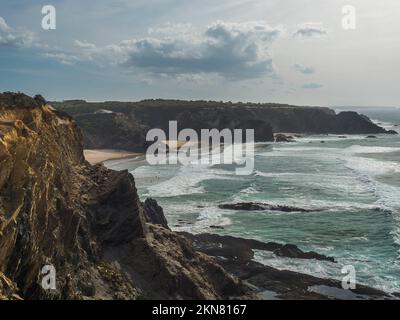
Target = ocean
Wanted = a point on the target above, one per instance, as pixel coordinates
(353, 182)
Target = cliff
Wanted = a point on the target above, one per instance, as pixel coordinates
(87, 221)
(104, 243)
(123, 125)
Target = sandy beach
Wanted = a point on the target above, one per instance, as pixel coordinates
(95, 156)
(101, 155)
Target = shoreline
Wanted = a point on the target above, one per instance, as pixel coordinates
(97, 156)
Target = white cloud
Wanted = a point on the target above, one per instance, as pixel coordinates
(310, 30)
(303, 69)
(63, 58)
(84, 45)
(312, 86)
(231, 50)
(172, 29)
(3, 25)
(10, 37)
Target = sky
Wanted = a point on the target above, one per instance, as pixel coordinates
(303, 52)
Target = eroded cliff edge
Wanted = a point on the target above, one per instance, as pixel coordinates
(86, 221)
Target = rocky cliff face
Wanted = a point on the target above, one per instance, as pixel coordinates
(120, 125)
(86, 221)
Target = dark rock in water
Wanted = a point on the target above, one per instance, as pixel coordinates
(383, 210)
(183, 222)
(292, 251)
(371, 137)
(154, 213)
(280, 137)
(322, 141)
(350, 122)
(342, 137)
(392, 131)
(254, 206)
(217, 227)
(242, 249)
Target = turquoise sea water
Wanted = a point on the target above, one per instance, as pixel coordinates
(354, 182)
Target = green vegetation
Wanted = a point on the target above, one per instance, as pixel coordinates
(75, 107)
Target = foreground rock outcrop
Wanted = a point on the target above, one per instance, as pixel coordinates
(56, 209)
(154, 213)
(124, 125)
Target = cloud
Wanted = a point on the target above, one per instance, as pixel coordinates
(10, 37)
(84, 45)
(310, 30)
(312, 86)
(303, 69)
(63, 58)
(172, 29)
(231, 50)
(3, 25)
(67, 58)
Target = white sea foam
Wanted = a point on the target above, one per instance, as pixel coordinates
(339, 184)
(384, 124)
(330, 138)
(357, 149)
(328, 270)
(372, 167)
(212, 217)
(185, 182)
(249, 190)
(206, 217)
(359, 238)
(295, 151)
(367, 169)
(388, 197)
(362, 181)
